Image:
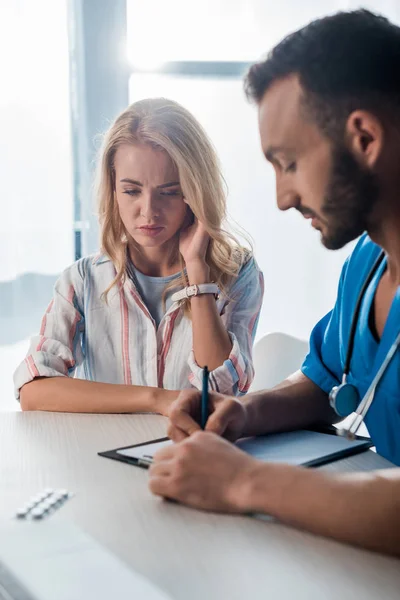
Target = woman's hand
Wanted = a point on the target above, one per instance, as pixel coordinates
(193, 243)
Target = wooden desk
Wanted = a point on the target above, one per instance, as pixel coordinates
(189, 554)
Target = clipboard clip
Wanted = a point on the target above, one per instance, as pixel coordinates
(145, 461)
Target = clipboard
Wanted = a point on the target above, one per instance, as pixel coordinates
(306, 447)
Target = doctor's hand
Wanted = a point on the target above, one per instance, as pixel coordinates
(228, 416)
(203, 471)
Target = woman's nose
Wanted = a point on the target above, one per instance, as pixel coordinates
(149, 208)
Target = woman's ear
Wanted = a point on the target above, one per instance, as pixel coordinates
(189, 217)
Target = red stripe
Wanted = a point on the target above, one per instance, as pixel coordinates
(125, 336)
(140, 304)
(166, 345)
(40, 344)
(71, 294)
(252, 323)
(72, 331)
(241, 375)
(254, 317)
(29, 366)
(244, 388)
(32, 367)
(43, 326)
(71, 338)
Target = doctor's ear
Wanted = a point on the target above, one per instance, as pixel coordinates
(365, 136)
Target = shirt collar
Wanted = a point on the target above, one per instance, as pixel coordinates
(99, 259)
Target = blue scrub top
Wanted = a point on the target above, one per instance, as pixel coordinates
(328, 346)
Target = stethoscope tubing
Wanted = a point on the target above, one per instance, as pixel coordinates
(368, 398)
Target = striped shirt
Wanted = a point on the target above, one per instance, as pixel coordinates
(117, 342)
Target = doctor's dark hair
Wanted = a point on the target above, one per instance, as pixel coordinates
(344, 62)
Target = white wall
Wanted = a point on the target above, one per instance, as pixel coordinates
(300, 275)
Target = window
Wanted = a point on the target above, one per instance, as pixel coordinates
(36, 225)
(196, 54)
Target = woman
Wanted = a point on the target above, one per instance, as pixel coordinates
(115, 338)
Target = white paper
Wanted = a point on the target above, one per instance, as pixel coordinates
(295, 447)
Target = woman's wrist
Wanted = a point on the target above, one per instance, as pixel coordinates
(198, 272)
(162, 399)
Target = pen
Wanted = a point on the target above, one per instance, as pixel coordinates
(204, 399)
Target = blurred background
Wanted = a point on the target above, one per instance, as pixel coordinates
(68, 67)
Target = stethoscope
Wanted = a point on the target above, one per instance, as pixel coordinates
(345, 398)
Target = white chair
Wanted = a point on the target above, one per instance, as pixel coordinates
(275, 357)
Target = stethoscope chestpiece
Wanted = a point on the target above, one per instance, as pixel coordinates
(344, 399)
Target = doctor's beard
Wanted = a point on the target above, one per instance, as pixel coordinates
(352, 193)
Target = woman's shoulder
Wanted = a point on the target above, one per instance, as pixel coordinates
(246, 261)
(95, 265)
(249, 272)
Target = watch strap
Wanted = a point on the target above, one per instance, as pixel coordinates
(195, 290)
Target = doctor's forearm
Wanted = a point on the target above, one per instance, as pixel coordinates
(295, 403)
(362, 509)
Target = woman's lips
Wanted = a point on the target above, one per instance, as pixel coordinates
(150, 231)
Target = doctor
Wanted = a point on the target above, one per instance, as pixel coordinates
(328, 101)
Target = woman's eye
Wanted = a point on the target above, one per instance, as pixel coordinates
(172, 193)
(131, 192)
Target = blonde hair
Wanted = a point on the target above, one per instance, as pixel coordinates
(166, 125)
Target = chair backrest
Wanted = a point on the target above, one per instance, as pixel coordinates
(275, 357)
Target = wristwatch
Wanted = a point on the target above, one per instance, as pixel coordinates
(195, 290)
